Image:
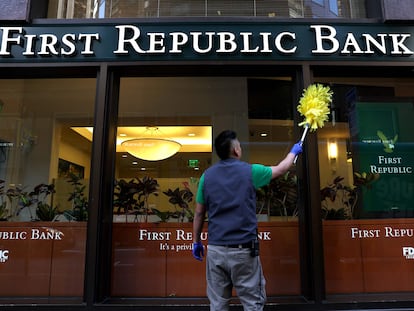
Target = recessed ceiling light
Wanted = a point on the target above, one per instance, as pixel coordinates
(143, 169)
(263, 134)
(191, 134)
(123, 135)
(124, 155)
(134, 163)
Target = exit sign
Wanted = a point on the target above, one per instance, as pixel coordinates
(193, 163)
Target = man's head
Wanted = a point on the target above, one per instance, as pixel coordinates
(227, 145)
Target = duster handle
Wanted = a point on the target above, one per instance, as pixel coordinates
(305, 131)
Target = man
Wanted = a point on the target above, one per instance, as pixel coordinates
(227, 192)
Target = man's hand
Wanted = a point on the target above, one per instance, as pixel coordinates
(297, 148)
(198, 251)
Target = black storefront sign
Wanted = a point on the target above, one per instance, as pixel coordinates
(168, 41)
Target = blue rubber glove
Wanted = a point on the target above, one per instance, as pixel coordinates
(198, 251)
(297, 148)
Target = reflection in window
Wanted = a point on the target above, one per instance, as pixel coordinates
(40, 153)
(44, 182)
(165, 8)
(365, 155)
(155, 199)
(320, 2)
(333, 6)
(263, 120)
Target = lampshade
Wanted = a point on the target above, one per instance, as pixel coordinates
(151, 149)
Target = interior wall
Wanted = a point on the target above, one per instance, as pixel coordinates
(222, 100)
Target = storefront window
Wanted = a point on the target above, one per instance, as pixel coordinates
(366, 158)
(215, 8)
(154, 199)
(44, 182)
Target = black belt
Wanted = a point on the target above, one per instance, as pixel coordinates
(244, 245)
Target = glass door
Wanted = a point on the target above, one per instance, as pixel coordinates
(154, 197)
(367, 183)
(44, 183)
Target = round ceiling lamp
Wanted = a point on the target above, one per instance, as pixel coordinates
(151, 148)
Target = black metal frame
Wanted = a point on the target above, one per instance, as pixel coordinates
(98, 252)
(98, 255)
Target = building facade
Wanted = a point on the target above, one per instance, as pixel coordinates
(108, 110)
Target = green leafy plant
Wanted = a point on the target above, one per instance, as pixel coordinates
(181, 198)
(125, 197)
(39, 196)
(338, 192)
(147, 186)
(46, 212)
(279, 197)
(131, 197)
(4, 211)
(79, 211)
(339, 201)
(19, 200)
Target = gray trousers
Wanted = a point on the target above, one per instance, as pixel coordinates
(233, 267)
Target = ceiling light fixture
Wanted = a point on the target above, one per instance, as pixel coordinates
(152, 147)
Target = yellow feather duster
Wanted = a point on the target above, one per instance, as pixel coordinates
(314, 106)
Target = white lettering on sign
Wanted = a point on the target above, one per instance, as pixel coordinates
(18, 235)
(218, 42)
(46, 44)
(131, 39)
(7, 39)
(4, 255)
(396, 233)
(33, 234)
(326, 35)
(408, 252)
(181, 235)
(387, 232)
(364, 233)
(145, 235)
(264, 236)
(391, 169)
(48, 234)
(180, 239)
(386, 166)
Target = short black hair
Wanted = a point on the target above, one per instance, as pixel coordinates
(223, 143)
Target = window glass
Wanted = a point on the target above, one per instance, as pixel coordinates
(165, 8)
(153, 222)
(366, 158)
(72, 8)
(44, 182)
(230, 8)
(333, 6)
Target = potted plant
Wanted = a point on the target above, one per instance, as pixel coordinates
(39, 197)
(19, 200)
(79, 211)
(4, 211)
(147, 186)
(125, 197)
(132, 196)
(278, 198)
(339, 201)
(181, 198)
